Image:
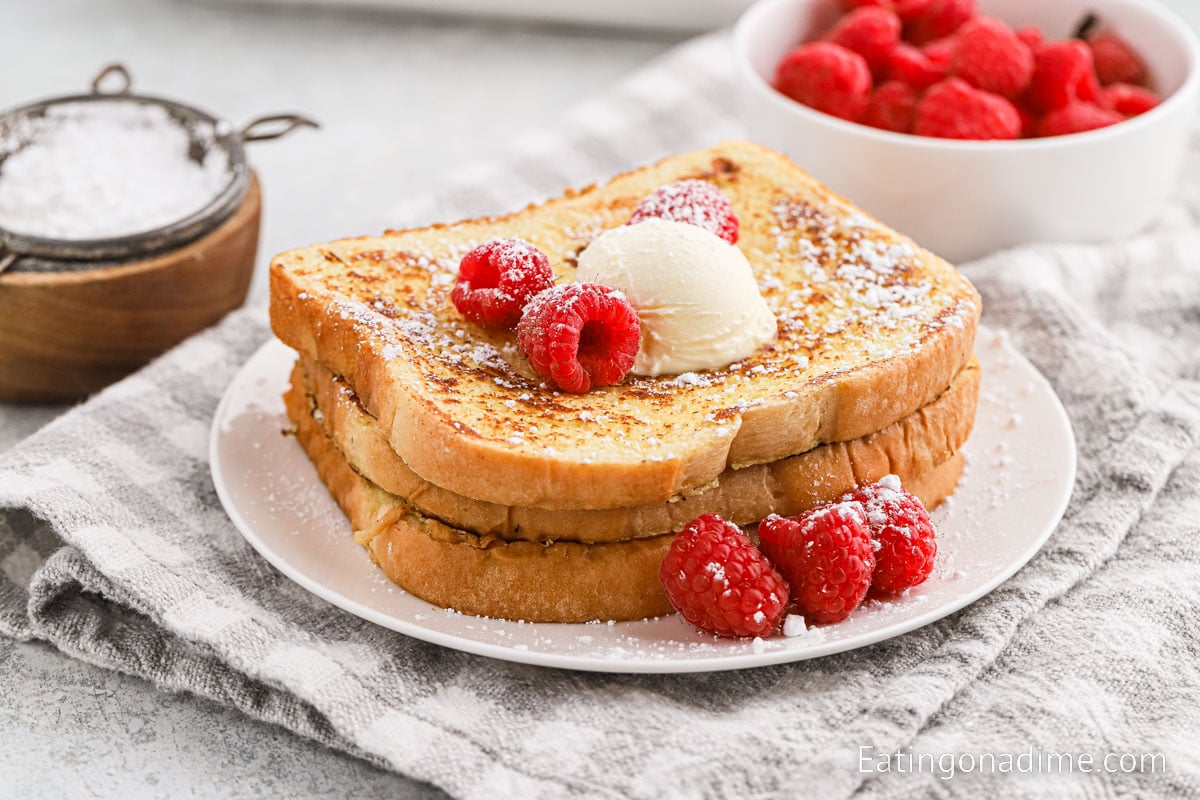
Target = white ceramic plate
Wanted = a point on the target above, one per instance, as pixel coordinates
(1020, 469)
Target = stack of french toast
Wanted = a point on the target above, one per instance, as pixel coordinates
(477, 486)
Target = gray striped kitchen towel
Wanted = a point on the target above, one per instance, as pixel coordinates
(113, 547)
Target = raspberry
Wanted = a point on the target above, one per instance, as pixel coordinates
(1127, 99)
(905, 9)
(939, 18)
(909, 65)
(911, 9)
(1076, 118)
(719, 582)
(827, 77)
(1116, 61)
(893, 107)
(580, 335)
(1031, 36)
(941, 52)
(1062, 73)
(850, 5)
(496, 280)
(826, 555)
(695, 202)
(989, 56)
(903, 534)
(1029, 122)
(953, 109)
(871, 31)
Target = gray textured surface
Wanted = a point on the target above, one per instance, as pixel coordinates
(18, 421)
(402, 100)
(74, 730)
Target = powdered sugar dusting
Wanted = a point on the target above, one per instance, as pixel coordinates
(694, 202)
(981, 531)
(864, 285)
(517, 262)
(96, 170)
(843, 289)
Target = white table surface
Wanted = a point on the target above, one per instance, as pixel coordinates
(402, 100)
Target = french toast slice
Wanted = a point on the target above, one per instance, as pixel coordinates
(909, 447)
(871, 328)
(487, 576)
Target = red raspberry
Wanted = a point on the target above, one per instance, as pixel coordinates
(496, 280)
(1076, 118)
(827, 77)
(1116, 61)
(911, 9)
(695, 202)
(941, 52)
(872, 32)
(953, 109)
(580, 335)
(903, 534)
(850, 5)
(989, 56)
(909, 65)
(1029, 122)
(1062, 73)
(1127, 99)
(826, 555)
(939, 18)
(719, 582)
(893, 107)
(1031, 36)
(905, 9)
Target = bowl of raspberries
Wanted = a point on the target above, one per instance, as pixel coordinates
(975, 125)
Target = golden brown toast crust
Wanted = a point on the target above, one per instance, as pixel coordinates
(909, 448)
(560, 582)
(871, 328)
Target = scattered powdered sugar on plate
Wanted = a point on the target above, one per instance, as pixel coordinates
(100, 170)
(668, 639)
(793, 625)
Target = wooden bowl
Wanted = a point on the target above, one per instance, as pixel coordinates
(64, 335)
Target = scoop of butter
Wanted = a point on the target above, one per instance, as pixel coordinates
(695, 293)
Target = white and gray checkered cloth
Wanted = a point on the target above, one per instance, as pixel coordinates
(114, 547)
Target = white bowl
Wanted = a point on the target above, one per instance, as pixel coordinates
(964, 200)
